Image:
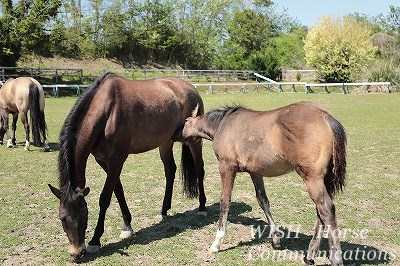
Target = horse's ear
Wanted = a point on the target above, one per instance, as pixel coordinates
(84, 192)
(195, 111)
(55, 191)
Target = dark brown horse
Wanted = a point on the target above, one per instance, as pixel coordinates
(17, 97)
(114, 118)
(299, 137)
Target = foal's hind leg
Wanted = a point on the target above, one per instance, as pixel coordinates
(326, 210)
(167, 157)
(313, 247)
(264, 204)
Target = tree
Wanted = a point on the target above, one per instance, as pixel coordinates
(339, 49)
(25, 25)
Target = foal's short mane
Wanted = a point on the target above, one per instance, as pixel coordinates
(216, 115)
(68, 135)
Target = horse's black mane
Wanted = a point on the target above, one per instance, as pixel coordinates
(68, 135)
(216, 115)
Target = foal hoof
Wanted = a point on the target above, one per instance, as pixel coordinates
(214, 249)
(92, 249)
(126, 234)
(308, 261)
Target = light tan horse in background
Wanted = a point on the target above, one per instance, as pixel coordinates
(17, 96)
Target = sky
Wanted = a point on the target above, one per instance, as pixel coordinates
(308, 12)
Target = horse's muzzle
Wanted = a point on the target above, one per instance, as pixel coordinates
(80, 257)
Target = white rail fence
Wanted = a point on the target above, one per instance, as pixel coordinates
(234, 87)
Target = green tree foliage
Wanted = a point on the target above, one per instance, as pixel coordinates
(339, 49)
(24, 24)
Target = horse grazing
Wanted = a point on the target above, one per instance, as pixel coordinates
(114, 118)
(17, 96)
(299, 137)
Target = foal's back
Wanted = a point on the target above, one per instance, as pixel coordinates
(272, 143)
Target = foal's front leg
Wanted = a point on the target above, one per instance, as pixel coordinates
(228, 174)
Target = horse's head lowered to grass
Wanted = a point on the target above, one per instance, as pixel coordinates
(73, 213)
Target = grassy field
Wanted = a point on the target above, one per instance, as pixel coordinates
(368, 209)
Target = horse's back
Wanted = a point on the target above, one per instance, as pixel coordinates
(142, 113)
(16, 93)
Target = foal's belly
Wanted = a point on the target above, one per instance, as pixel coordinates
(269, 167)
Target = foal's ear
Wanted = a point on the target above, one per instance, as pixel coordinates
(195, 111)
(55, 191)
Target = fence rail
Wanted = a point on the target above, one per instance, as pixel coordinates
(58, 75)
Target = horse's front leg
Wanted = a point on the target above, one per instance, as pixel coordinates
(228, 174)
(14, 128)
(167, 157)
(6, 128)
(114, 168)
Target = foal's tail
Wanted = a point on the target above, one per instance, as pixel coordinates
(189, 177)
(38, 122)
(336, 174)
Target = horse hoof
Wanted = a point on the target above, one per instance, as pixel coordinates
(92, 249)
(9, 143)
(126, 234)
(308, 261)
(202, 213)
(161, 218)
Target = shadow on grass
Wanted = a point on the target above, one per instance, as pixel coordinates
(295, 242)
(54, 146)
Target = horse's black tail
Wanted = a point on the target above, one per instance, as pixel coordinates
(38, 122)
(336, 174)
(189, 177)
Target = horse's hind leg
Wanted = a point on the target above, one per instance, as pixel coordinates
(326, 210)
(228, 174)
(167, 157)
(25, 122)
(197, 152)
(264, 204)
(14, 128)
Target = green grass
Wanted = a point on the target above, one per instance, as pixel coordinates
(31, 234)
